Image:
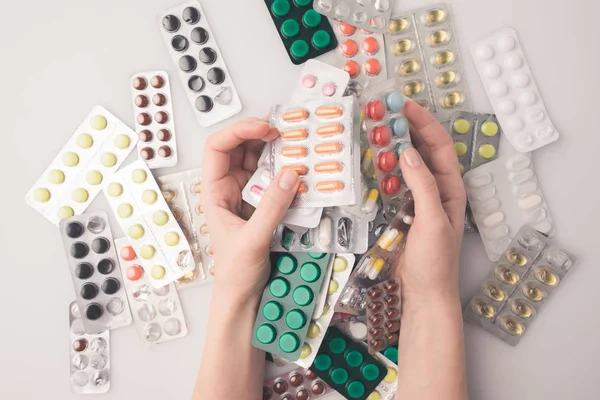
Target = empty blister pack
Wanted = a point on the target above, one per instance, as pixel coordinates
(361, 54)
(93, 154)
(515, 97)
(342, 267)
(318, 80)
(519, 285)
(150, 226)
(383, 315)
(424, 56)
(89, 356)
(154, 122)
(157, 313)
(204, 75)
(317, 140)
(338, 231)
(92, 260)
(298, 384)
(182, 193)
(504, 195)
(372, 15)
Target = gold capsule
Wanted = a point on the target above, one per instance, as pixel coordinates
(435, 16)
(521, 308)
(439, 37)
(402, 46)
(446, 78)
(494, 292)
(533, 292)
(512, 326)
(515, 258)
(412, 88)
(506, 275)
(452, 100)
(397, 25)
(482, 308)
(546, 276)
(408, 67)
(442, 58)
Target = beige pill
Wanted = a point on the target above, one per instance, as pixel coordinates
(493, 219)
(530, 202)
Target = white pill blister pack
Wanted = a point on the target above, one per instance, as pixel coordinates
(318, 80)
(504, 195)
(372, 15)
(515, 97)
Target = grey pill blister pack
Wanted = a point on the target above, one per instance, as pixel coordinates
(372, 15)
(94, 268)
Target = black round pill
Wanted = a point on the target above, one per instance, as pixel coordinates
(106, 266)
(89, 291)
(216, 76)
(179, 43)
(170, 23)
(94, 311)
(187, 63)
(79, 250)
(199, 35)
(204, 104)
(100, 245)
(84, 270)
(74, 230)
(196, 83)
(207, 56)
(191, 15)
(110, 286)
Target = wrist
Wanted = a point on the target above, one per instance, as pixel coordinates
(442, 301)
(235, 298)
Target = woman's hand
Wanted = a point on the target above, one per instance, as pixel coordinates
(240, 242)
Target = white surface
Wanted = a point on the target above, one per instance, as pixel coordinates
(59, 58)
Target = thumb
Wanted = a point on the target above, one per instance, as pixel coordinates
(275, 202)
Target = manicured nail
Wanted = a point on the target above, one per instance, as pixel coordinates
(412, 157)
(288, 179)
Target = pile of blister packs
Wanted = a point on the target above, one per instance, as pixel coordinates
(332, 304)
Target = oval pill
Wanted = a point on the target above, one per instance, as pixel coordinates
(326, 232)
(300, 169)
(531, 202)
(493, 219)
(329, 186)
(295, 115)
(329, 112)
(324, 148)
(298, 151)
(330, 130)
(332, 166)
(294, 134)
(479, 180)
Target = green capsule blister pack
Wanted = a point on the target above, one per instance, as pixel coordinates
(304, 32)
(347, 366)
(288, 302)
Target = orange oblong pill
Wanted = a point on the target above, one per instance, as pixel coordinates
(329, 186)
(330, 166)
(300, 169)
(328, 148)
(296, 151)
(329, 111)
(295, 115)
(294, 134)
(302, 188)
(330, 130)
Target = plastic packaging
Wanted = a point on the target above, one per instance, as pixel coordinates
(384, 307)
(298, 384)
(319, 80)
(372, 15)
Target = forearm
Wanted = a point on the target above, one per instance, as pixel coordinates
(228, 350)
(431, 362)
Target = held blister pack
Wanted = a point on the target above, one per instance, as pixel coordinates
(298, 384)
(371, 15)
(383, 315)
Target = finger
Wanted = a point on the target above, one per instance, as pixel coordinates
(252, 151)
(272, 207)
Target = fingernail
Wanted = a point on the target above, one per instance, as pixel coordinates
(288, 179)
(412, 157)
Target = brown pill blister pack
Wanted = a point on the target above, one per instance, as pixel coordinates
(298, 384)
(383, 315)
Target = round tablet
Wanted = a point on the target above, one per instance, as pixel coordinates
(352, 68)
(147, 251)
(134, 272)
(106, 266)
(94, 177)
(333, 286)
(322, 362)
(171, 238)
(204, 104)
(370, 372)
(340, 264)
(391, 375)
(108, 159)
(339, 376)
(310, 272)
(302, 295)
(65, 212)
(170, 23)
(349, 48)
(272, 311)
(286, 264)
(110, 286)
(122, 141)
(199, 35)
(56, 176)
(85, 141)
(279, 287)
(127, 253)
(321, 38)
(115, 189)
(313, 330)
(290, 28)
(337, 345)
(317, 256)
(489, 128)
(80, 195)
(265, 334)
(207, 56)
(295, 319)
(160, 218)
(372, 67)
(124, 210)
(100, 245)
(135, 231)
(399, 127)
(216, 76)
(395, 101)
(487, 151)
(354, 358)
(460, 148)
(179, 43)
(149, 196)
(356, 389)
(461, 126)
(41, 195)
(299, 49)
(138, 175)
(196, 83)
(157, 272)
(374, 395)
(289, 342)
(70, 159)
(84, 270)
(279, 8)
(78, 250)
(311, 19)
(187, 63)
(98, 122)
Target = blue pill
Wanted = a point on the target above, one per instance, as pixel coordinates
(395, 101)
(399, 127)
(400, 147)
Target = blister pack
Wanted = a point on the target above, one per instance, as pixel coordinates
(383, 315)
(368, 207)
(338, 231)
(317, 140)
(504, 195)
(377, 227)
(93, 154)
(318, 80)
(521, 282)
(92, 260)
(386, 390)
(342, 267)
(372, 15)
(424, 56)
(182, 193)
(151, 228)
(154, 121)
(89, 356)
(157, 313)
(204, 75)
(304, 32)
(347, 366)
(288, 302)
(298, 384)
(514, 96)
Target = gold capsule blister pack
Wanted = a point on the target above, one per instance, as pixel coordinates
(92, 155)
(150, 226)
(182, 193)
(423, 53)
(519, 285)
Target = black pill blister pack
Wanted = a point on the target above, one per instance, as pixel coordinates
(95, 271)
(193, 49)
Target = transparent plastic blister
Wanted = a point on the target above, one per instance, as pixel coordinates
(298, 384)
(150, 226)
(372, 15)
(157, 313)
(519, 285)
(202, 70)
(93, 154)
(355, 327)
(182, 193)
(318, 80)
(384, 307)
(424, 56)
(368, 206)
(92, 261)
(154, 119)
(515, 98)
(318, 141)
(504, 195)
(89, 357)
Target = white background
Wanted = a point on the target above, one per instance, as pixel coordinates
(61, 57)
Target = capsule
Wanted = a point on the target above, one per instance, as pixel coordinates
(412, 88)
(435, 16)
(512, 326)
(295, 115)
(533, 292)
(506, 275)
(329, 167)
(330, 130)
(370, 201)
(388, 238)
(494, 292)
(446, 79)
(375, 268)
(302, 188)
(257, 191)
(329, 186)
(482, 308)
(515, 258)
(408, 67)
(326, 148)
(398, 240)
(294, 134)
(367, 162)
(439, 37)
(546, 276)
(329, 111)
(402, 46)
(443, 58)
(300, 169)
(452, 100)
(326, 232)
(521, 308)
(397, 25)
(296, 151)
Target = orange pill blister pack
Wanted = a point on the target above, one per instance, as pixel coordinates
(318, 140)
